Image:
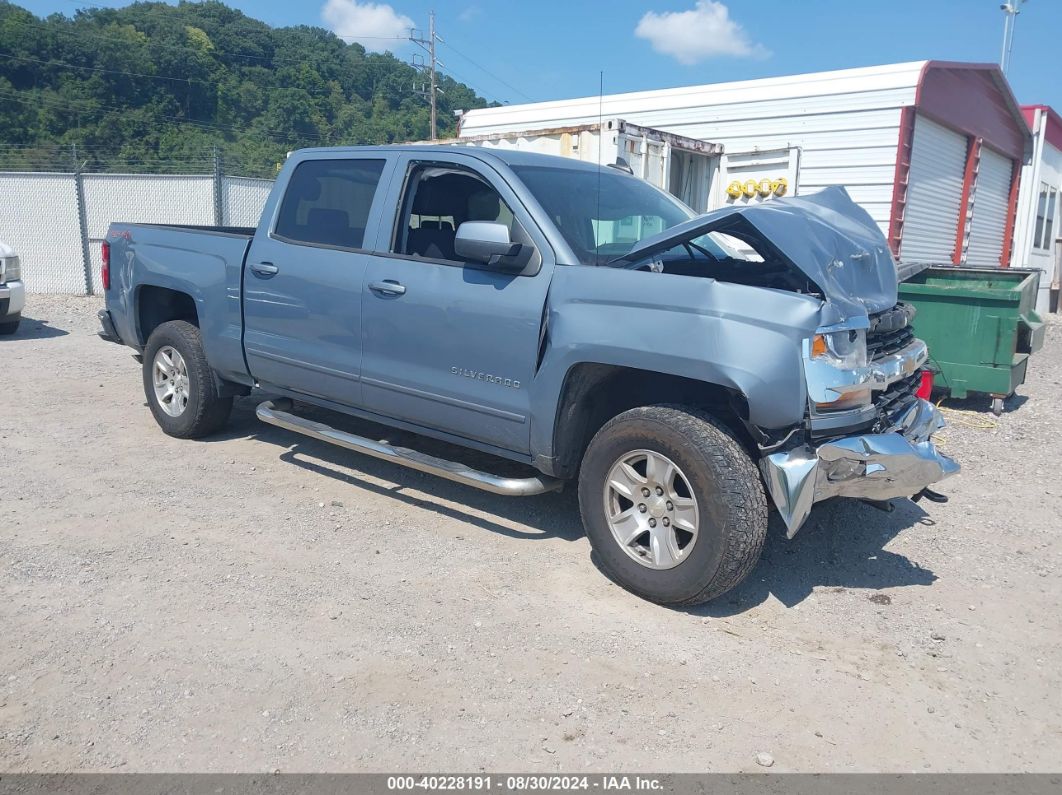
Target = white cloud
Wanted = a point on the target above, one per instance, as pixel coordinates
(705, 31)
(369, 24)
(469, 13)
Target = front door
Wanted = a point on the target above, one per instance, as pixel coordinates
(304, 274)
(450, 344)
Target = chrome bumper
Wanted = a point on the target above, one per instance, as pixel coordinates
(826, 383)
(15, 293)
(879, 466)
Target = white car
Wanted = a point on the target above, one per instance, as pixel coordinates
(12, 291)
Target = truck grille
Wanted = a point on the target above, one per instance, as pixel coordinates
(897, 393)
(883, 344)
(890, 331)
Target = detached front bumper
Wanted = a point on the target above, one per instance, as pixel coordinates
(879, 466)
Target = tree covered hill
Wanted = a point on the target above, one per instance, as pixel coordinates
(154, 87)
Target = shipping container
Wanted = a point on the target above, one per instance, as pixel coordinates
(683, 166)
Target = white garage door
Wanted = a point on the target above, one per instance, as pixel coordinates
(934, 193)
(988, 213)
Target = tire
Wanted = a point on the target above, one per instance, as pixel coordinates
(729, 505)
(9, 326)
(201, 411)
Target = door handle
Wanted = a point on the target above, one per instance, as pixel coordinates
(264, 269)
(387, 287)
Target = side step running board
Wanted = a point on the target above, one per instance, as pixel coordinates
(278, 413)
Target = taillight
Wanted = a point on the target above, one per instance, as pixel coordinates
(925, 388)
(105, 271)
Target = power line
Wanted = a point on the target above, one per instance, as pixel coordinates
(152, 41)
(449, 72)
(185, 80)
(380, 68)
(428, 45)
(276, 134)
(488, 72)
(62, 65)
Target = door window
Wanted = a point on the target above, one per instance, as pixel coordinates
(438, 200)
(327, 202)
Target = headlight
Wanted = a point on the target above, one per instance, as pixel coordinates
(844, 351)
(10, 270)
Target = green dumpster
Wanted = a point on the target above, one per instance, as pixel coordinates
(980, 325)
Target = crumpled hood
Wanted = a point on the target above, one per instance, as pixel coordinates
(829, 237)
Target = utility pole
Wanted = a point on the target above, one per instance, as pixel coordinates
(433, 63)
(1010, 9)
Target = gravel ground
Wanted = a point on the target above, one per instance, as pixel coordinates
(260, 602)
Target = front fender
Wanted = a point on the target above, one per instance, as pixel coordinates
(746, 339)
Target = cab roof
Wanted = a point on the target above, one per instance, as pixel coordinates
(509, 157)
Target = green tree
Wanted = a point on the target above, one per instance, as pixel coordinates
(157, 87)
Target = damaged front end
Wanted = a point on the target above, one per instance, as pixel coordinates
(866, 434)
(899, 462)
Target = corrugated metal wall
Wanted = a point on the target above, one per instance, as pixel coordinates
(988, 214)
(39, 216)
(846, 123)
(934, 193)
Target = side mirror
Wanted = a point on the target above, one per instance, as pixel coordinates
(488, 242)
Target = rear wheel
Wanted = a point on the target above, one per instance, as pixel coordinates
(180, 385)
(672, 504)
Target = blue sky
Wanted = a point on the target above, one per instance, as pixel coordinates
(551, 49)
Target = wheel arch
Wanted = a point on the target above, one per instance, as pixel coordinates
(593, 393)
(157, 304)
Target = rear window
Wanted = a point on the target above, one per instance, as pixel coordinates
(327, 202)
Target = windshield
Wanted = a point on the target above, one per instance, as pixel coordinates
(602, 224)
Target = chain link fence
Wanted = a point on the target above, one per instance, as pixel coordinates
(55, 221)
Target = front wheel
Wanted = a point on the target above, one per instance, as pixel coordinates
(672, 504)
(9, 326)
(180, 385)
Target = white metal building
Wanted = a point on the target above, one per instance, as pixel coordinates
(932, 150)
(1037, 233)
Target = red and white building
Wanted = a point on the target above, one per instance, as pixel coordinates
(932, 150)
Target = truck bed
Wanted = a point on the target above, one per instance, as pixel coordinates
(238, 231)
(203, 262)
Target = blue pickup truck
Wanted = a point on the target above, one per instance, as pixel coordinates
(683, 369)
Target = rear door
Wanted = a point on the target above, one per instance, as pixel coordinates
(453, 345)
(304, 274)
